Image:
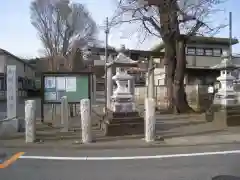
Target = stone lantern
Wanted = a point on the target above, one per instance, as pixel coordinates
(122, 99)
(121, 116)
(226, 94)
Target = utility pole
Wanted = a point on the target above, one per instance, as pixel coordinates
(106, 61)
(230, 35)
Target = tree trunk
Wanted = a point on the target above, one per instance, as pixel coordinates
(170, 63)
(180, 98)
(174, 55)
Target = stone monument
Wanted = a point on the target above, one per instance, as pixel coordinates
(225, 110)
(121, 116)
(12, 96)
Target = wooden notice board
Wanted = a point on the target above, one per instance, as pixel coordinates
(75, 86)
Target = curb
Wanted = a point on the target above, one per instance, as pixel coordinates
(112, 147)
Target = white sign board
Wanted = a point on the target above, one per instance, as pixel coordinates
(71, 85)
(61, 83)
(51, 96)
(11, 92)
(210, 89)
(50, 82)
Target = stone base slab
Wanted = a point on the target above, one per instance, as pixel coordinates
(8, 127)
(224, 116)
(120, 124)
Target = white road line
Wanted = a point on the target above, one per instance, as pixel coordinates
(130, 157)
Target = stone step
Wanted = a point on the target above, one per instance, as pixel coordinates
(124, 129)
(233, 113)
(233, 121)
(123, 115)
(228, 109)
(129, 121)
(136, 118)
(123, 124)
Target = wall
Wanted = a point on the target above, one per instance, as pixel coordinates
(199, 61)
(204, 61)
(2, 63)
(30, 73)
(197, 96)
(236, 61)
(19, 65)
(22, 69)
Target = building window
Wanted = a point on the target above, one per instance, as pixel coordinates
(191, 51)
(208, 52)
(200, 51)
(217, 52)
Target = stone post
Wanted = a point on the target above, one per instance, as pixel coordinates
(64, 114)
(131, 86)
(109, 86)
(150, 119)
(197, 97)
(94, 89)
(12, 95)
(150, 79)
(86, 122)
(30, 121)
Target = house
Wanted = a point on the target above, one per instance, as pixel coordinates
(24, 71)
(202, 53)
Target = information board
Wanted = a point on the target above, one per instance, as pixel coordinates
(75, 87)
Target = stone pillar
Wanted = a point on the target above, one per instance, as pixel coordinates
(131, 86)
(12, 95)
(150, 119)
(86, 122)
(186, 79)
(109, 86)
(197, 97)
(30, 121)
(150, 79)
(94, 89)
(64, 114)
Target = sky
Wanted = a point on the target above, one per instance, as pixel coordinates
(19, 37)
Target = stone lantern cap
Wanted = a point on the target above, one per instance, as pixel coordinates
(122, 76)
(226, 63)
(123, 61)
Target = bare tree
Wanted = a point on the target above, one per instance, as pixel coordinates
(174, 22)
(62, 26)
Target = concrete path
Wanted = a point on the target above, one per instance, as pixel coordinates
(180, 130)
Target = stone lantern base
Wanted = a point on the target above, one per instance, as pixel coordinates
(225, 110)
(224, 116)
(122, 103)
(122, 123)
(226, 98)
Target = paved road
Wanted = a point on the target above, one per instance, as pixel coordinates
(192, 167)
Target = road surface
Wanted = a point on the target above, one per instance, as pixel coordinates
(203, 163)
